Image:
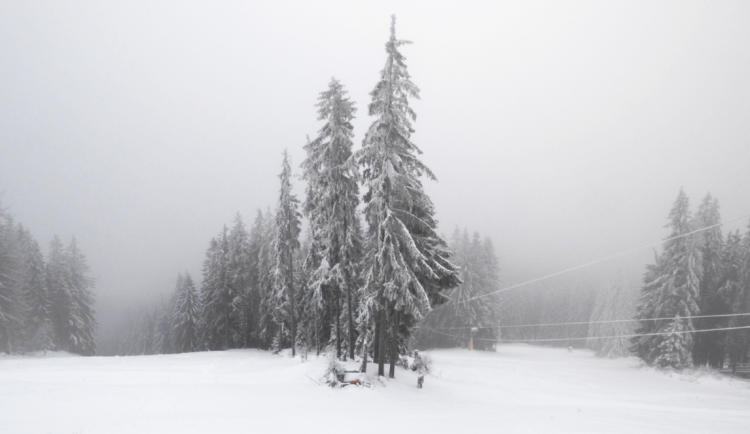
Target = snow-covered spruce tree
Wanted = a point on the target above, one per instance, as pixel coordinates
(331, 206)
(674, 350)
(254, 248)
(59, 290)
(34, 289)
(615, 301)
(408, 268)
(333, 371)
(12, 306)
(479, 276)
(265, 266)
(164, 343)
(735, 292)
(708, 349)
(217, 295)
(239, 270)
(185, 316)
(82, 316)
(287, 241)
(670, 290)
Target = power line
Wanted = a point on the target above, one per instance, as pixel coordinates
(603, 259)
(594, 337)
(593, 322)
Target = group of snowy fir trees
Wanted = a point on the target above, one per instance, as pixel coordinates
(699, 272)
(364, 276)
(44, 305)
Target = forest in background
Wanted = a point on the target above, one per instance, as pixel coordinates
(372, 273)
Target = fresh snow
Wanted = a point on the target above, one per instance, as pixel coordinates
(518, 389)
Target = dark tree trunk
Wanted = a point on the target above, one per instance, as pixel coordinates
(376, 340)
(225, 344)
(317, 340)
(292, 303)
(364, 357)
(394, 345)
(381, 342)
(338, 327)
(349, 315)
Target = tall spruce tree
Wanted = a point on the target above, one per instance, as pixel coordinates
(59, 291)
(671, 290)
(708, 348)
(82, 318)
(163, 330)
(408, 268)
(331, 206)
(217, 295)
(12, 306)
(34, 289)
(185, 316)
(735, 291)
(265, 266)
(239, 270)
(287, 241)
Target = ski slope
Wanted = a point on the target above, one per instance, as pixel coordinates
(518, 389)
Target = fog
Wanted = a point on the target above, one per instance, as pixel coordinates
(562, 130)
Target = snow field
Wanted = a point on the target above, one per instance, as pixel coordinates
(519, 389)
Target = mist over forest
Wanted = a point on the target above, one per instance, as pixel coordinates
(154, 160)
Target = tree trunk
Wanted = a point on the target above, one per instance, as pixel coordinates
(317, 341)
(292, 303)
(226, 327)
(349, 315)
(394, 345)
(376, 340)
(364, 357)
(381, 343)
(338, 328)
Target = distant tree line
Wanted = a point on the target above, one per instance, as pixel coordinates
(358, 290)
(700, 271)
(44, 304)
(470, 304)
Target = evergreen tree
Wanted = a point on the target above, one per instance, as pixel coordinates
(735, 292)
(409, 267)
(616, 301)
(674, 350)
(34, 289)
(163, 331)
(217, 295)
(708, 349)
(265, 266)
(185, 316)
(82, 322)
(59, 291)
(670, 290)
(287, 241)
(12, 306)
(331, 206)
(239, 270)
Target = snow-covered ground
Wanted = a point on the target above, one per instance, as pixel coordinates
(519, 389)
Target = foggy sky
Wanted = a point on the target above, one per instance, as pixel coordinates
(563, 130)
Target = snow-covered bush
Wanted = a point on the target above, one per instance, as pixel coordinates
(333, 371)
(419, 363)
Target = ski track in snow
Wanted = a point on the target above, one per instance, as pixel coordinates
(518, 389)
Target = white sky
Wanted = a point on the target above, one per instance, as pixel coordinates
(563, 130)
